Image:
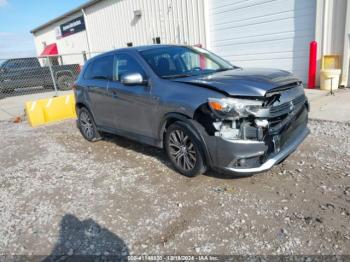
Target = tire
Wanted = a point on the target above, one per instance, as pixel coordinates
(184, 150)
(87, 126)
(65, 82)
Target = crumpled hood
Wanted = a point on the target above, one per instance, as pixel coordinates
(252, 82)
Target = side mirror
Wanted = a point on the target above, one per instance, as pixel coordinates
(133, 79)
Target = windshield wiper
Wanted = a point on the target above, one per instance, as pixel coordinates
(176, 76)
(224, 69)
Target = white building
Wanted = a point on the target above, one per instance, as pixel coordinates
(109, 24)
(251, 33)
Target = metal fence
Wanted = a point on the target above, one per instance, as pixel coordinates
(28, 75)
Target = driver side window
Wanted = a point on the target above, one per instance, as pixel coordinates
(125, 64)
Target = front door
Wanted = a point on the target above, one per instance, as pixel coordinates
(134, 106)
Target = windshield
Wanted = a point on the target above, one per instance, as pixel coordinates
(181, 61)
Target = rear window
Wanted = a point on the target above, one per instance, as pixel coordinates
(100, 68)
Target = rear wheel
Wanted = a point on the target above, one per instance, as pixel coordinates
(87, 125)
(65, 82)
(184, 150)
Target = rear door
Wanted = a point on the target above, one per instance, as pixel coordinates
(96, 79)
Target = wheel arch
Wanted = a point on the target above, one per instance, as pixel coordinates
(169, 119)
(79, 105)
(196, 128)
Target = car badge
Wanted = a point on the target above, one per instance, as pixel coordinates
(291, 106)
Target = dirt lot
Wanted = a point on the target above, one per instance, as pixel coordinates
(61, 194)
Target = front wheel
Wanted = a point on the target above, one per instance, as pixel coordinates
(184, 150)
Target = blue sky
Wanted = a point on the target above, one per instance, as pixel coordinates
(18, 17)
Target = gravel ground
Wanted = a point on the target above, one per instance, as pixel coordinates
(60, 194)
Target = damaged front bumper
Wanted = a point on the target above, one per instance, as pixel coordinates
(246, 156)
(274, 159)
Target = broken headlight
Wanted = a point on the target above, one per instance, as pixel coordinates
(234, 107)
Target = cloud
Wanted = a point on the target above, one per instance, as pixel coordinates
(16, 45)
(3, 3)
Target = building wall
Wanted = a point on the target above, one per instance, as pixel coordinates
(111, 24)
(174, 21)
(247, 33)
(333, 33)
(334, 29)
(263, 33)
(76, 43)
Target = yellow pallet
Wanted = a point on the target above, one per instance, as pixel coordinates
(50, 110)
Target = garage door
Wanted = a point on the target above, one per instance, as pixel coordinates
(263, 33)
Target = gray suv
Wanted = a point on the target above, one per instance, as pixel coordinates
(205, 112)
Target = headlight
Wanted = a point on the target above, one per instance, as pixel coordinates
(234, 107)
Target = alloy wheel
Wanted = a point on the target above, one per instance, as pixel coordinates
(182, 150)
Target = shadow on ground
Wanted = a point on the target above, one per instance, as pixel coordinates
(86, 240)
(158, 153)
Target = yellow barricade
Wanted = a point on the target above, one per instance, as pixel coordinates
(50, 110)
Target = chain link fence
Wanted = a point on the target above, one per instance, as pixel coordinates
(28, 75)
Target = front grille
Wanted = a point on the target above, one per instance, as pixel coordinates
(276, 120)
(283, 127)
(286, 107)
(276, 124)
